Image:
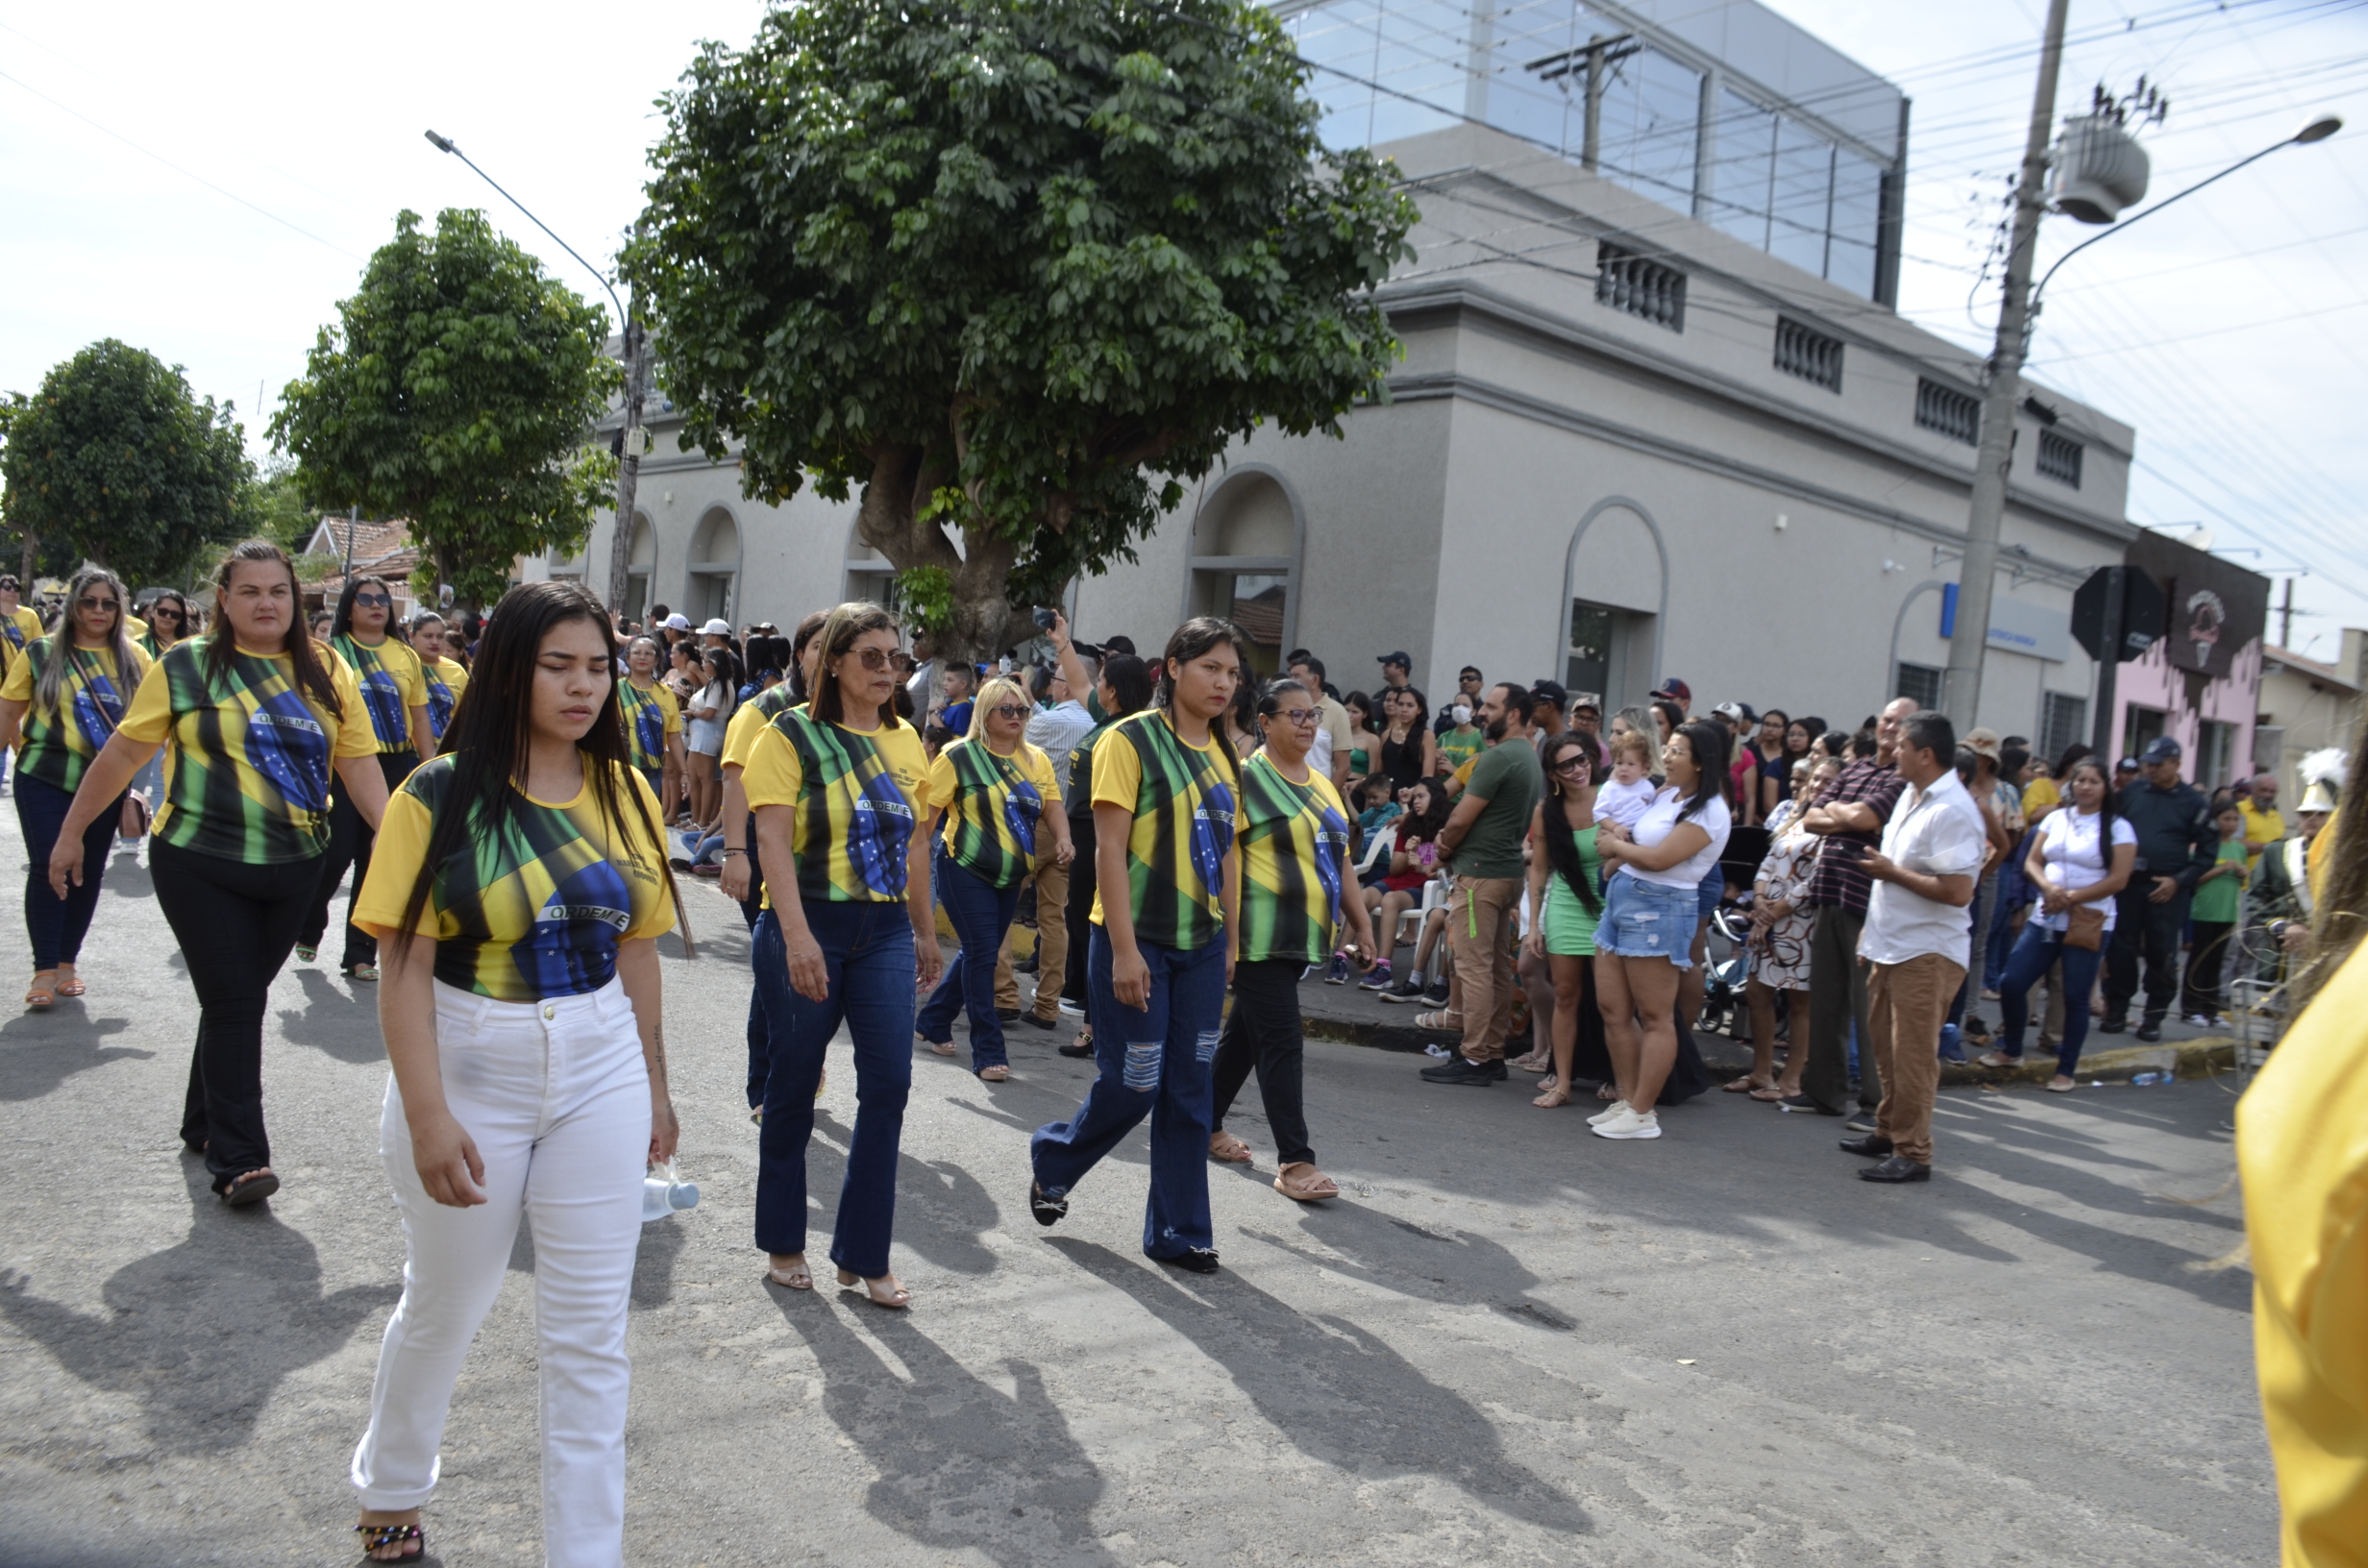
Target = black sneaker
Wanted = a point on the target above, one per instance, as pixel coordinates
(1897, 1168)
(1460, 1068)
(1041, 1023)
(1048, 1212)
(1407, 989)
(1009, 1014)
(1436, 995)
(2113, 1026)
(1199, 1261)
(2150, 1031)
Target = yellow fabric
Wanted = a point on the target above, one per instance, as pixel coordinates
(2301, 1145)
(2317, 858)
(773, 776)
(42, 739)
(27, 621)
(388, 668)
(2038, 796)
(979, 831)
(2262, 828)
(746, 723)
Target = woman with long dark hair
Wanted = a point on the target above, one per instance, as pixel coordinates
(395, 693)
(443, 677)
(1644, 942)
(168, 623)
(1565, 901)
(1781, 922)
(653, 721)
(1123, 688)
(990, 788)
(1166, 791)
(257, 715)
(519, 888)
(839, 787)
(1771, 760)
(1294, 856)
(60, 701)
(1408, 750)
(1413, 861)
(2080, 859)
(709, 714)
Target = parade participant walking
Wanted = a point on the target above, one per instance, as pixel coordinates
(1164, 918)
(256, 715)
(838, 787)
(1565, 890)
(396, 695)
(518, 889)
(992, 790)
(1121, 687)
(1293, 838)
(443, 678)
(653, 721)
(58, 705)
(168, 623)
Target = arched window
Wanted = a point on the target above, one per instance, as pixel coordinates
(713, 573)
(1617, 590)
(1246, 563)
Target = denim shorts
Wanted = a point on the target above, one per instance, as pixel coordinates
(1713, 889)
(1645, 920)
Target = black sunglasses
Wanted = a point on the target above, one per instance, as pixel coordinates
(376, 602)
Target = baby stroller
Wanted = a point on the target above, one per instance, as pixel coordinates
(1729, 965)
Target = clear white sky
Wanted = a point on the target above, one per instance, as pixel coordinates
(2229, 330)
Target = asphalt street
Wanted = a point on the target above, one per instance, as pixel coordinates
(1508, 1341)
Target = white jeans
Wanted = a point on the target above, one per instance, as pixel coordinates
(556, 1096)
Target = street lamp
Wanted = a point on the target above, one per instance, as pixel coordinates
(636, 388)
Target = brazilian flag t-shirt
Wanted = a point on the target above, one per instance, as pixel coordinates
(859, 797)
(748, 720)
(993, 806)
(1294, 837)
(445, 680)
(391, 686)
(56, 745)
(533, 907)
(648, 717)
(1182, 797)
(247, 762)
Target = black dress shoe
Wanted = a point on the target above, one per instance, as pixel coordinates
(2111, 1026)
(1460, 1068)
(1199, 1261)
(1033, 1018)
(2150, 1031)
(1874, 1145)
(1009, 1014)
(1048, 1212)
(1802, 1102)
(1076, 1047)
(1897, 1168)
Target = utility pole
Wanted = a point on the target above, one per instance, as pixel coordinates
(2285, 615)
(1961, 691)
(629, 464)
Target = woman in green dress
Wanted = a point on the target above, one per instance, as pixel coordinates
(1565, 897)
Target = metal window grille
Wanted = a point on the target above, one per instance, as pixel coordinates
(2063, 722)
(1952, 414)
(2059, 458)
(1629, 282)
(1810, 355)
(1919, 683)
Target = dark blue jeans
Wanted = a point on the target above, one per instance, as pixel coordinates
(57, 925)
(2037, 950)
(760, 1034)
(1152, 1062)
(981, 914)
(867, 956)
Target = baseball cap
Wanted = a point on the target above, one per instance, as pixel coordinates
(1119, 644)
(677, 622)
(1675, 689)
(1731, 710)
(717, 628)
(1550, 691)
(2161, 749)
(2127, 765)
(1401, 659)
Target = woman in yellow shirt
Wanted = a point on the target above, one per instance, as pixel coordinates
(839, 788)
(653, 721)
(518, 890)
(58, 705)
(995, 794)
(253, 717)
(444, 679)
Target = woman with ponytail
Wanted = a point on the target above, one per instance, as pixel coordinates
(1565, 900)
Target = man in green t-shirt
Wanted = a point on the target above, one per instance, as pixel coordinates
(1481, 839)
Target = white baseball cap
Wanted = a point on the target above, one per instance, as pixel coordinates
(717, 628)
(677, 622)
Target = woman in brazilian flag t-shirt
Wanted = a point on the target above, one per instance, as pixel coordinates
(1166, 786)
(254, 717)
(838, 787)
(442, 678)
(517, 890)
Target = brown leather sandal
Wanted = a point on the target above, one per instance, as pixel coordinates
(1229, 1149)
(1308, 1185)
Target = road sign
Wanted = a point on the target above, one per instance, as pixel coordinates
(2119, 607)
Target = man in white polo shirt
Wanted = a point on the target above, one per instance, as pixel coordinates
(1917, 923)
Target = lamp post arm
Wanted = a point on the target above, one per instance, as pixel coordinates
(445, 144)
(2148, 213)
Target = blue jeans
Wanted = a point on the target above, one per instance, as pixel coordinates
(57, 925)
(980, 913)
(1998, 946)
(1153, 1063)
(2033, 955)
(868, 957)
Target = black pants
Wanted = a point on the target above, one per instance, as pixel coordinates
(760, 1032)
(2208, 955)
(1838, 1000)
(2143, 929)
(1082, 881)
(57, 925)
(1263, 1030)
(349, 845)
(236, 924)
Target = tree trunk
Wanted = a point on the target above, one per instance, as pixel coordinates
(902, 478)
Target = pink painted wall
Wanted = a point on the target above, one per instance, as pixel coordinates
(2150, 682)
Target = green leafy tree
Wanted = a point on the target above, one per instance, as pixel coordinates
(457, 392)
(275, 508)
(114, 460)
(1015, 268)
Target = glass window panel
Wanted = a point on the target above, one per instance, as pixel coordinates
(1798, 214)
(1742, 169)
(1520, 102)
(1858, 218)
(1650, 106)
(1339, 36)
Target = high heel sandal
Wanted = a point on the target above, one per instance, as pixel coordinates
(375, 1538)
(797, 1276)
(849, 1280)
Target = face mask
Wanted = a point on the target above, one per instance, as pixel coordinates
(1462, 713)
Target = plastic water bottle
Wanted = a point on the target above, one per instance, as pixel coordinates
(663, 1192)
(2145, 1079)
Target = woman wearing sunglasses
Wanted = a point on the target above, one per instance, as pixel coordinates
(652, 719)
(1565, 893)
(990, 789)
(838, 787)
(168, 623)
(395, 692)
(445, 680)
(1294, 844)
(60, 702)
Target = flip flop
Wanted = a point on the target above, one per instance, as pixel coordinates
(1770, 1094)
(1741, 1086)
(994, 1074)
(1997, 1059)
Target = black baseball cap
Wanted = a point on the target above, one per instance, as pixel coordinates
(1401, 659)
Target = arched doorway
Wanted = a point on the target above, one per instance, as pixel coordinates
(1615, 599)
(713, 573)
(1246, 563)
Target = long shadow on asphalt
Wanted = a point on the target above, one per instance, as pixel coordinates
(1438, 1264)
(942, 1208)
(201, 1334)
(334, 1022)
(37, 1053)
(963, 1466)
(1336, 1391)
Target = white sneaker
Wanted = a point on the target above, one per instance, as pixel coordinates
(1631, 1125)
(1607, 1113)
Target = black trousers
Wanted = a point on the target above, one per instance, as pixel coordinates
(1838, 1000)
(1081, 882)
(1263, 1031)
(760, 1032)
(349, 845)
(236, 924)
(2146, 931)
(2206, 959)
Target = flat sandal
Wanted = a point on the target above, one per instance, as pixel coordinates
(378, 1537)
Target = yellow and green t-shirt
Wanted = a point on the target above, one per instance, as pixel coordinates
(859, 799)
(444, 680)
(649, 717)
(1182, 797)
(146, 641)
(1456, 749)
(247, 766)
(526, 908)
(747, 722)
(993, 805)
(56, 746)
(1294, 837)
(19, 628)
(391, 686)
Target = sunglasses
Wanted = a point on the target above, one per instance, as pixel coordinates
(376, 602)
(1009, 710)
(89, 603)
(874, 659)
(1575, 765)
(163, 612)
